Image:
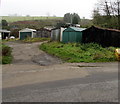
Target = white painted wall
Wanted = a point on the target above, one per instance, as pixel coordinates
(61, 33)
(0, 36)
(55, 35)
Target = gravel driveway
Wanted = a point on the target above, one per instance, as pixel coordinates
(29, 53)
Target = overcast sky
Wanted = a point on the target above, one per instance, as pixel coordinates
(48, 7)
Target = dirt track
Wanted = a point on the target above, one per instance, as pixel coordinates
(29, 53)
(31, 65)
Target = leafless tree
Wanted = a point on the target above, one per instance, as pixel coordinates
(110, 9)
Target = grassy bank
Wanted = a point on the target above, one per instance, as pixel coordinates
(31, 40)
(5, 57)
(74, 52)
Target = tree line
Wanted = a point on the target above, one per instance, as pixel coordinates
(107, 14)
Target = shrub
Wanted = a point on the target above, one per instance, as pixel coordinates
(6, 57)
(6, 51)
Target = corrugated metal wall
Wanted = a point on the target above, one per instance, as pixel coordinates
(103, 37)
(71, 36)
(55, 35)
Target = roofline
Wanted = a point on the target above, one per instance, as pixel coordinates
(28, 29)
(6, 31)
(115, 30)
(77, 28)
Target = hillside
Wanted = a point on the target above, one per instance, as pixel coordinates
(24, 18)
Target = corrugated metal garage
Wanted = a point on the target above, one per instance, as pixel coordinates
(72, 34)
(27, 33)
(56, 34)
(4, 34)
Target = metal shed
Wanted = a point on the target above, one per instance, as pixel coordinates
(56, 34)
(4, 34)
(102, 36)
(43, 32)
(24, 33)
(72, 34)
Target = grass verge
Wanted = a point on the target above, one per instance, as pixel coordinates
(74, 52)
(5, 57)
(9, 40)
(31, 40)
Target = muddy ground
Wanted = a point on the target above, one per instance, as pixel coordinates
(29, 53)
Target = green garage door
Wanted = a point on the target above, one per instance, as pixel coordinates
(24, 35)
(65, 37)
(69, 37)
(72, 37)
(78, 36)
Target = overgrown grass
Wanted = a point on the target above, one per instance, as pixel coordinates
(9, 40)
(74, 52)
(31, 40)
(5, 54)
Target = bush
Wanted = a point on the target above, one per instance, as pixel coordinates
(6, 57)
(6, 51)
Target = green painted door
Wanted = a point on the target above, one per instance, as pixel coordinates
(24, 35)
(78, 36)
(65, 37)
(72, 37)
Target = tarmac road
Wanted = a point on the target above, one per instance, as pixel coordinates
(102, 87)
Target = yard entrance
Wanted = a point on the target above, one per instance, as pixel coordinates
(29, 53)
